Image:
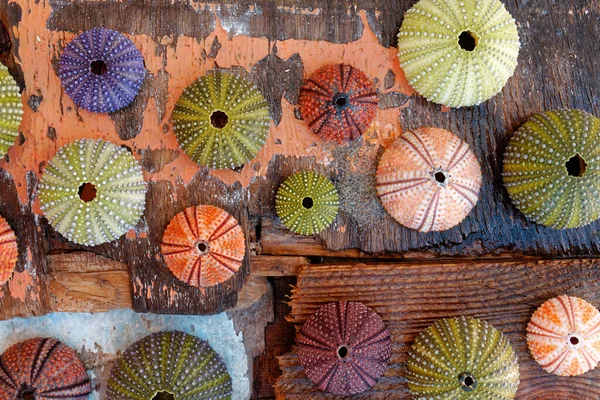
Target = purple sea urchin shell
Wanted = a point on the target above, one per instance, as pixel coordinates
(101, 70)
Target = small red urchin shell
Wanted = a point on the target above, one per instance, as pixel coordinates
(44, 368)
(9, 251)
(338, 102)
(203, 246)
(344, 347)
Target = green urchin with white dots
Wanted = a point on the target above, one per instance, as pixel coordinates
(11, 110)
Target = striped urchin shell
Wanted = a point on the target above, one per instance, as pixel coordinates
(458, 52)
(462, 358)
(173, 362)
(101, 70)
(428, 179)
(9, 251)
(203, 246)
(307, 203)
(11, 110)
(221, 120)
(564, 336)
(42, 369)
(92, 191)
(338, 102)
(552, 168)
(344, 347)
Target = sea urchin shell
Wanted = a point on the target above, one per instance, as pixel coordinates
(101, 70)
(11, 110)
(92, 191)
(564, 336)
(203, 246)
(428, 179)
(344, 347)
(221, 120)
(307, 202)
(552, 169)
(458, 52)
(9, 251)
(42, 369)
(462, 358)
(169, 362)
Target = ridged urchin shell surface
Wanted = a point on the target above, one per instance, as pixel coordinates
(535, 169)
(11, 110)
(307, 202)
(120, 191)
(44, 366)
(353, 327)
(440, 69)
(563, 336)
(462, 358)
(221, 142)
(203, 246)
(101, 70)
(9, 251)
(428, 179)
(173, 362)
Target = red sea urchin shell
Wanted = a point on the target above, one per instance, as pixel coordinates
(338, 102)
(564, 336)
(9, 251)
(203, 246)
(344, 347)
(45, 369)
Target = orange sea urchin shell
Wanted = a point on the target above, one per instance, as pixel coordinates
(428, 179)
(8, 251)
(203, 246)
(564, 336)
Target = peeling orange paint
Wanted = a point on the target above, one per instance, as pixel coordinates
(19, 285)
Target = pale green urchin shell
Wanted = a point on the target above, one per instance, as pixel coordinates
(11, 111)
(462, 358)
(552, 168)
(458, 52)
(92, 191)
(221, 120)
(307, 202)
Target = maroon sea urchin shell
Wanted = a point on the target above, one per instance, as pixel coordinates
(338, 102)
(43, 369)
(344, 347)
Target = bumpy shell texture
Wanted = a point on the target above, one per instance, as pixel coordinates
(458, 52)
(203, 246)
(101, 70)
(564, 336)
(552, 169)
(9, 251)
(338, 102)
(172, 362)
(221, 120)
(307, 202)
(462, 358)
(44, 368)
(344, 347)
(428, 179)
(92, 191)
(11, 110)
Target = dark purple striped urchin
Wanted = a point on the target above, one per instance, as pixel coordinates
(101, 70)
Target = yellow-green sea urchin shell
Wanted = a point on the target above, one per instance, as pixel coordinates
(552, 168)
(92, 191)
(307, 202)
(458, 52)
(221, 120)
(11, 110)
(462, 358)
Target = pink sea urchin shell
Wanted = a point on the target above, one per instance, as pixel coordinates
(9, 251)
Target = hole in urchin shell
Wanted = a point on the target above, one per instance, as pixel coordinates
(468, 40)
(98, 67)
(87, 192)
(467, 382)
(574, 341)
(307, 203)
(219, 119)
(203, 247)
(163, 396)
(340, 100)
(440, 177)
(576, 166)
(26, 394)
(342, 352)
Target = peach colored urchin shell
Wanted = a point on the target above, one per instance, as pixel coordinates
(564, 336)
(428, 179)
(9, 251)
(203, 246)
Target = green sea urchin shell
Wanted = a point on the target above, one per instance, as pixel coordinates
(221, 120)
(307, 202)
(552, 168)
(92, 191)
(462, 358)
(11, 110)
(169, 362)
(458, 52)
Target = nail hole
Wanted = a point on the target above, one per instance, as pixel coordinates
(342, 352)
(87, 192)
(469, 381)
(576, 166)
(468, 40)
(202, 247)
(219, 119)
(98, 67)
(307, 203)
(340, 100)
(27, 394)
(440, 177)
(163, 396)
(574, 341)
